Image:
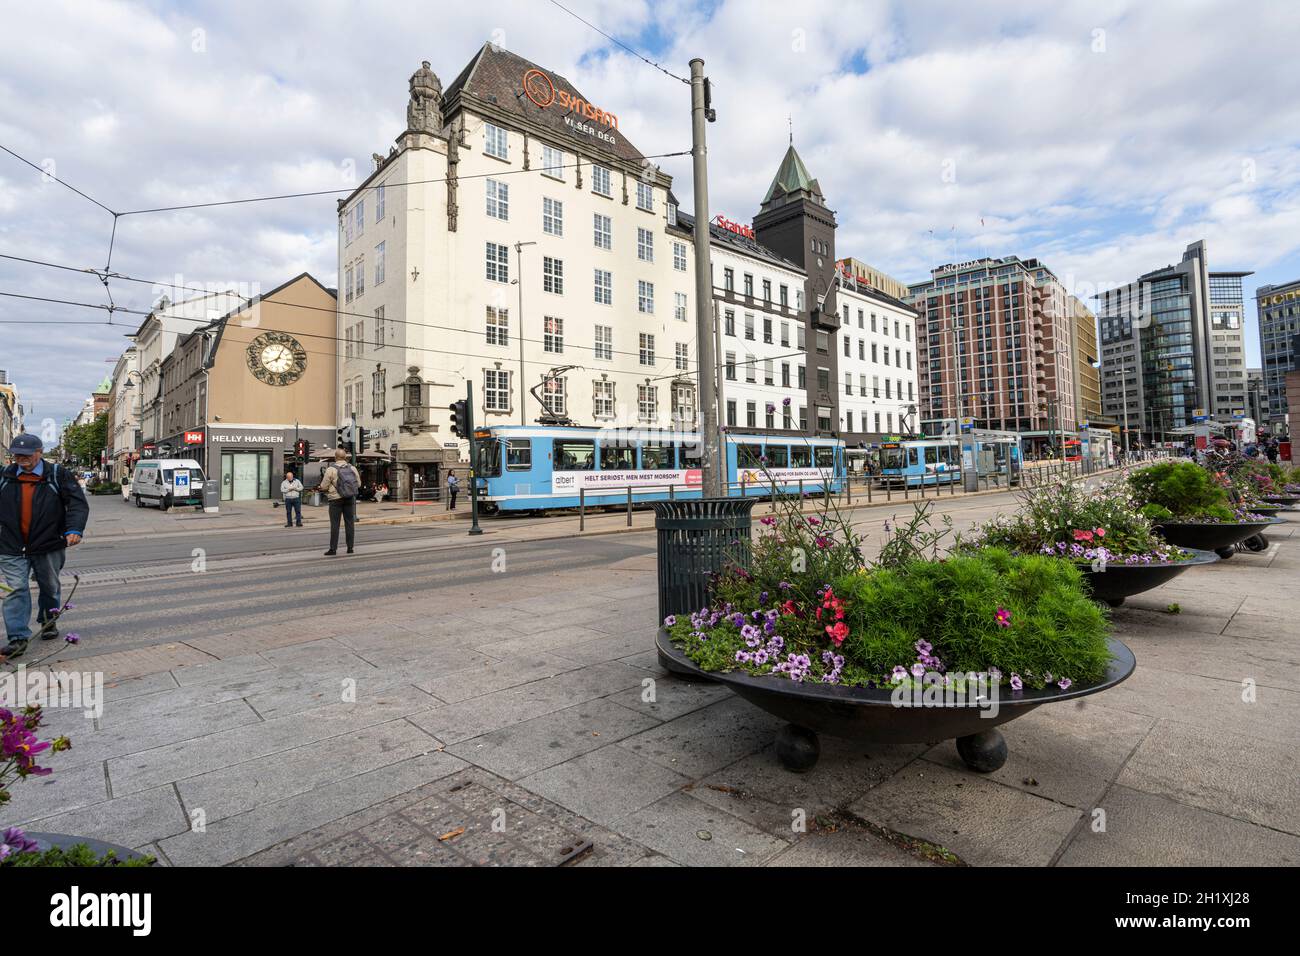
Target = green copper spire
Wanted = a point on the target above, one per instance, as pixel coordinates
(792, 177)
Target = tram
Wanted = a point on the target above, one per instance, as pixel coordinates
(918, 462)
(539, 467)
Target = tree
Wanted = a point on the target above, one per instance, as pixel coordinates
(84, 443)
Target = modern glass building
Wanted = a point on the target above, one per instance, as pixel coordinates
(1278, 308)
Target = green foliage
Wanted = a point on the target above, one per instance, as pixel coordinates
(83, 443)
(106, 488)
(1156, 512)
(1185, 489)
(78, 855)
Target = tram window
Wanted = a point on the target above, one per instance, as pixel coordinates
(519, 454)
(931, 455)
(914, 457)
(690, 454)
(574, 455)
(749, 456)
(948, 455)
(656, 457)
(778, 456)
(892, 457)
(800, 456)
(489, 459)
(615, 458)
(825, 457)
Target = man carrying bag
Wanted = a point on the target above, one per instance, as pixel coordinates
(340, 485)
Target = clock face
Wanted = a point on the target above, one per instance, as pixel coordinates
(276, 358)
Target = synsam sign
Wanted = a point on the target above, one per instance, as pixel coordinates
(539, 88)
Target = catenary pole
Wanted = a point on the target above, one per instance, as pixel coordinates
(706, 388)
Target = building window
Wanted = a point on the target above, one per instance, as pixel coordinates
(498, 326)
(875, 349)
(729, 279)
(751, 372)
(600, 181)
(647, 402)
(785, 374)
(604, 235)
(604, 287)
(682, 356)
(495, 142)
(731, 366)
(553, 162)
(729, 319)
(603, 397)
(731, 413)
(347, 287)
(552, 275)
(801, 338)
(767, 291)
(552, 217)
(785, 296)
(379, 328)
(496, 390)
(361, 275)
(751, 415)
(749, 286)
(679, 309)
(604, 342)
(645, 296)
(768, 377)
(498, 200)
(379, 263)
(749, 326)
(679, 256)
(360, 211)
(553, 396)
(848, 383)
(645, 197)
(848, 347)
(824, 379)
(553, 335)
(647, 342)
(378, 389)
(785, 334)
(767, 329)
(645, 245)
(498, 262)
(379, 203)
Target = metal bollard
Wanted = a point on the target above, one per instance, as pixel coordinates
(672, 492)
(848, 487)
(582, 509)
(801, 494)
(629, 506)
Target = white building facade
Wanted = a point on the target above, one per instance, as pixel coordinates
(502, 239)
(877, 363)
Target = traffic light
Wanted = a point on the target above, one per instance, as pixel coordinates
(302, 450)
(460, 419)
(361, 438)
(343, 435)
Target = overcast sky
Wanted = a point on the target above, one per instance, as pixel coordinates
(1101, 137)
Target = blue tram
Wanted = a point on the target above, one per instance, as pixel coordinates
(535, 467)
(938, 461)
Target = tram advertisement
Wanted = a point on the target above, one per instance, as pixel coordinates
(782, 476)
(613, 481)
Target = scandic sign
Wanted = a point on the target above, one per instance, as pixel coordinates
(741, 230)
(539, 88)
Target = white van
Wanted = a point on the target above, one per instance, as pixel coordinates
(166, 482)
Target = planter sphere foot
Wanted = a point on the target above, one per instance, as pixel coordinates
(797, 748)
(1225, 553)
(1256, 543)
(1115, 601)
(984, 752)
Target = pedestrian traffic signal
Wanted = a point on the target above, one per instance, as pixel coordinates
(460, 418)
(361, 438)
(302, 450)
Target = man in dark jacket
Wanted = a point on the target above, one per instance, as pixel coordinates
(43, 511)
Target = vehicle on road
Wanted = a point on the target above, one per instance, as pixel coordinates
(938, 461)
(535, 468)
(167, 482)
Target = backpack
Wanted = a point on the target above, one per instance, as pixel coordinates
(51, 475)
(347, 484)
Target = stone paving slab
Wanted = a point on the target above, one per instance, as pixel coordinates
(132, 820)
(700, 742)
(606, 784)
(844, 847)
(61, 791)
(983, 822)
(693, 833)
(1145, 829)
(487, 676)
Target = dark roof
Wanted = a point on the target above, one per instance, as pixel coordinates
(495, 78)
(741, 244)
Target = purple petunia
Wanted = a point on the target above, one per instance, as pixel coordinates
(1016, 682)
(670, 620)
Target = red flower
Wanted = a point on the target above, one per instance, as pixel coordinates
(1082, 535)
(838, 633)
(789, 608)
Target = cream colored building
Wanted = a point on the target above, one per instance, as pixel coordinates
(513, 230)
(124, 414)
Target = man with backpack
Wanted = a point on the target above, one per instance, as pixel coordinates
(43, 511)
(341, 484)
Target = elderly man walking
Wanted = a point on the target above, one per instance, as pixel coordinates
(43, 511)
(341, 484)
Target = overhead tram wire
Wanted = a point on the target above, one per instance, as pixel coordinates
(616, 40)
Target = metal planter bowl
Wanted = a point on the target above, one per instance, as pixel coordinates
(49, 841)
(1219, 538)
(1285, 501)
(869, 715)
(1118, 581)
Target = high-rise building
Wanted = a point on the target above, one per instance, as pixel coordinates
(1172, 348)
(1087, 377)
(1278, 308)
(996, 341)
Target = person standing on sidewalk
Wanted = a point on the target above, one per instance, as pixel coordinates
(341, 484)
(43, 511)
(453, 488)
(291, 489)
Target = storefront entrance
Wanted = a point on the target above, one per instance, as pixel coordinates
(245, 475)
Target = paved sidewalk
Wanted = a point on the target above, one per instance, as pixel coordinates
(533, 725)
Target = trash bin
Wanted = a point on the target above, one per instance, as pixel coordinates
(697, 538)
